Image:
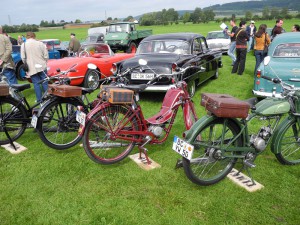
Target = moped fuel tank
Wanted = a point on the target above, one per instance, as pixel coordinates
(272, 106)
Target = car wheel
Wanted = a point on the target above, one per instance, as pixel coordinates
(92, 79)
(192, 87)
(216, 75)
(131, 48)
(21, 73)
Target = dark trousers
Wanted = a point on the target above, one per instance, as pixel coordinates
(239, 64)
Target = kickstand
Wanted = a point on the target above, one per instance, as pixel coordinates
(246, 168)
(9, 138)
(144, 150)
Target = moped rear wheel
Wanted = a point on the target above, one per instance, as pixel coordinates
(57, 125)
(289, 145)
(209, 164)
(105, 140)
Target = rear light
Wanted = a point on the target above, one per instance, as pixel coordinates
(80, 108)
(258, 73)
(183, 134)
(258, 82)
(114, 68)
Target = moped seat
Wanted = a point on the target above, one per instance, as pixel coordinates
(20, 87)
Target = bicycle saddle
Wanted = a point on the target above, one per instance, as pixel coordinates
(20, 87)
(87, 90)
(136, 88)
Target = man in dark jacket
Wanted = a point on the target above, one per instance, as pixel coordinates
(241, 49)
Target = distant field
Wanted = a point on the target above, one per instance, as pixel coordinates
(81, 33)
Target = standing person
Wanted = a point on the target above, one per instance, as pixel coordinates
(251, 30)
(36, 53)
(277, 29)
(6, 59)
(74, 44)
(20, 40)
(241, 49)
(296, 28)
(231, 50)
(262, 40)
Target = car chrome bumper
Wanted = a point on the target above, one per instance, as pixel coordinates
(266, 94)
(159, 88)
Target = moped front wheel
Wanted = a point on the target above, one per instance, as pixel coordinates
(106, 139)
(209, 163)
(289, 145)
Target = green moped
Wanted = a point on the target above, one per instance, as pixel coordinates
(219, 142)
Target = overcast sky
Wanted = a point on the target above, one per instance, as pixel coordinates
(15, 12)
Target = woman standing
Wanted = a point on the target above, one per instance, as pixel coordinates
(262, 40)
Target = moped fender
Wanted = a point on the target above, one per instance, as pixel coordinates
(191, 134)
(54, 99)
(275, 144)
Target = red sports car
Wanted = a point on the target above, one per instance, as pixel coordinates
(98, 54)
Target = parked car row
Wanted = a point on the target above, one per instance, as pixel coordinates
(162, 52)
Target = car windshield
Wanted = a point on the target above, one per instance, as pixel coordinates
(165, 46)
(287, 50)
(95, 49)
(119, 28)
(217, 35)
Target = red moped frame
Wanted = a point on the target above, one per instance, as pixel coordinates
(174, 98)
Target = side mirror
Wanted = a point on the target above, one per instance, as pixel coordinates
(142, 62)
(267, 60)
(92, 66)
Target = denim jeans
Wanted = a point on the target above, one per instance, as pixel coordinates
(259, 56)
(250, 44)
(10, 75)
(231, 51)
(39, 88)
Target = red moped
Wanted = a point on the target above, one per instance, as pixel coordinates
(113, 128)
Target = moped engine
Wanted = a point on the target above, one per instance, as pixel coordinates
(156, 130)
(260, 140)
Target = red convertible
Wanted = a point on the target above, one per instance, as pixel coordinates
(98, 54)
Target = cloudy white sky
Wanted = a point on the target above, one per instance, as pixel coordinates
(33, 11)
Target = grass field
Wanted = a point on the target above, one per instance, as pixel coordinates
(45, 186)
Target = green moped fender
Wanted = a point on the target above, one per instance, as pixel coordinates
(191, 134)
(275, 144)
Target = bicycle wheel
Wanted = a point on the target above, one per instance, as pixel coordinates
(57, 125)
(289, 145)
(12, 115)
(104, 139)
(209, 164)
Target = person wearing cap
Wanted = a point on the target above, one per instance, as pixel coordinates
(74, 45)
(251, 30)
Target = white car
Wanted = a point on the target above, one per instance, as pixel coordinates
(218, 40)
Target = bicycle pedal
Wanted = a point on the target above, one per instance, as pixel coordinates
(249, 164)
(178, 164)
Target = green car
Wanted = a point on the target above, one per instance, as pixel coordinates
(283, 62)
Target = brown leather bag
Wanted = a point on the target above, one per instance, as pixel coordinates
(223, 105)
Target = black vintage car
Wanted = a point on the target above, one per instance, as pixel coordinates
(165, 52)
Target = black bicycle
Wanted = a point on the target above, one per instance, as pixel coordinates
(53, 117)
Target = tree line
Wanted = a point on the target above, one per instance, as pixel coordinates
(165, 17)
